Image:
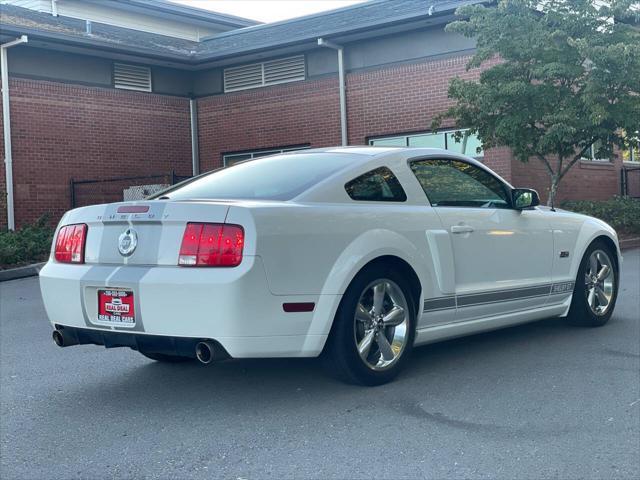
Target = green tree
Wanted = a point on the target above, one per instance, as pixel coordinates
(565, 78)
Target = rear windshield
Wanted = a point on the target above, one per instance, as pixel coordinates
(279, 177)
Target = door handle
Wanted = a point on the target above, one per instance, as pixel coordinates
(461, 229)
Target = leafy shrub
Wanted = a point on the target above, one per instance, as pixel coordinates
(30, 244)
(621, 213)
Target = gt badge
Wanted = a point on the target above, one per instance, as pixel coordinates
(127, 242)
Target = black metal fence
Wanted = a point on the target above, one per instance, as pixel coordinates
(630, 181)
(107, 190)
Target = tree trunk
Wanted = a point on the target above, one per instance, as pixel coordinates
(555, 180)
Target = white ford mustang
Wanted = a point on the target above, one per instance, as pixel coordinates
(356, 253)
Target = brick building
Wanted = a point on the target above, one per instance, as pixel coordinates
(127, 88)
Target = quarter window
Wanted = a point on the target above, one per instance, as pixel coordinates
(379, 185)
(453, 183)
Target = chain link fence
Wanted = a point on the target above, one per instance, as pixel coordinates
(118, 189)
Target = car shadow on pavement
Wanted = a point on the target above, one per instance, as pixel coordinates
(242, 385)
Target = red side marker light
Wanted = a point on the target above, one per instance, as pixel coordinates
(298, 307)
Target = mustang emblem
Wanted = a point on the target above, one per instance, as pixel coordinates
(127, 242)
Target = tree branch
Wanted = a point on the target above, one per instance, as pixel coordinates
(546, 163)
(574, 160)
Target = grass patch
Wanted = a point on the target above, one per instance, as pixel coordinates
(621, 213)
(30, 244)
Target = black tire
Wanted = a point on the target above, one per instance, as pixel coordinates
(161, 357)
(341, 353)
(580, 312)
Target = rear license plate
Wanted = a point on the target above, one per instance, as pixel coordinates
(116, 307)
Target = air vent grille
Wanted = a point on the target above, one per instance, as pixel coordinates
(132, 77)
(272, 72)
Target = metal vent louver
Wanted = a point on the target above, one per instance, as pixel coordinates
(132, 77)
(290, 69)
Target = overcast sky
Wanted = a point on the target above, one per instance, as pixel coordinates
(268, 10)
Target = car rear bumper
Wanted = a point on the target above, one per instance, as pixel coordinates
(232, 306)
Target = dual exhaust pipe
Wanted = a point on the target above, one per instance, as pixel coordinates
(205, 351)
(64, 339)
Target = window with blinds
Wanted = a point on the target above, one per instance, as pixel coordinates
(272, 72)
(131, 77)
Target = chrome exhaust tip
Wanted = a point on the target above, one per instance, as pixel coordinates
(63, 339)
(58, 338)
(205, 352)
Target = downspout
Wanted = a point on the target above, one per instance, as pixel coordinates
(195, 155)
(54, 8)
(6, 124)
(343, 95)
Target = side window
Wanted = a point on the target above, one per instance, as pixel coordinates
(379, 185)
(452, 183)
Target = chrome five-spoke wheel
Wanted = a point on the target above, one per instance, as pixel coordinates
(596, 289)
(380, 324)
(599, 280)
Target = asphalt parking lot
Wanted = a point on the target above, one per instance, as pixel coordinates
(544, 400)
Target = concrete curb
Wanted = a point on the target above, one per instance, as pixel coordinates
(630, 243)
(21, 272)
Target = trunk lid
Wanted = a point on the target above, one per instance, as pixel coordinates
(141, 233)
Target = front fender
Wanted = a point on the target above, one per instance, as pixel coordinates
(591, 229)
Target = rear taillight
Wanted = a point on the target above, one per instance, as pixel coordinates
(70, 243)
(211, 245)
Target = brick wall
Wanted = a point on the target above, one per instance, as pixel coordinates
(585, 180)
(62, 131)
(391, 100)
(281, 115)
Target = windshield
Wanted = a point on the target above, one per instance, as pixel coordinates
(279, 177)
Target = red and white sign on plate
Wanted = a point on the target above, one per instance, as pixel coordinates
(116, 306)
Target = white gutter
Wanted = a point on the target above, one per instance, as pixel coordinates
(195, 156)
(6, 123)
(343, 96)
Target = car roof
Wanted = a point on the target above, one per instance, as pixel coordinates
(372, 151)
(363, 153)
(393, 157)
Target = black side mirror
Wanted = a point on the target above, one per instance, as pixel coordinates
(522, 198)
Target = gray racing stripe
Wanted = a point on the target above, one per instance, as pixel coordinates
(472, 299)
(503, 296)
(120, 278)
(440, 303)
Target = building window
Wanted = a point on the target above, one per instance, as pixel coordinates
(273, 72)
(594, 154)
(379, 185)
(131, 77)
(632, 154)
(469, 144)
(232, 158)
